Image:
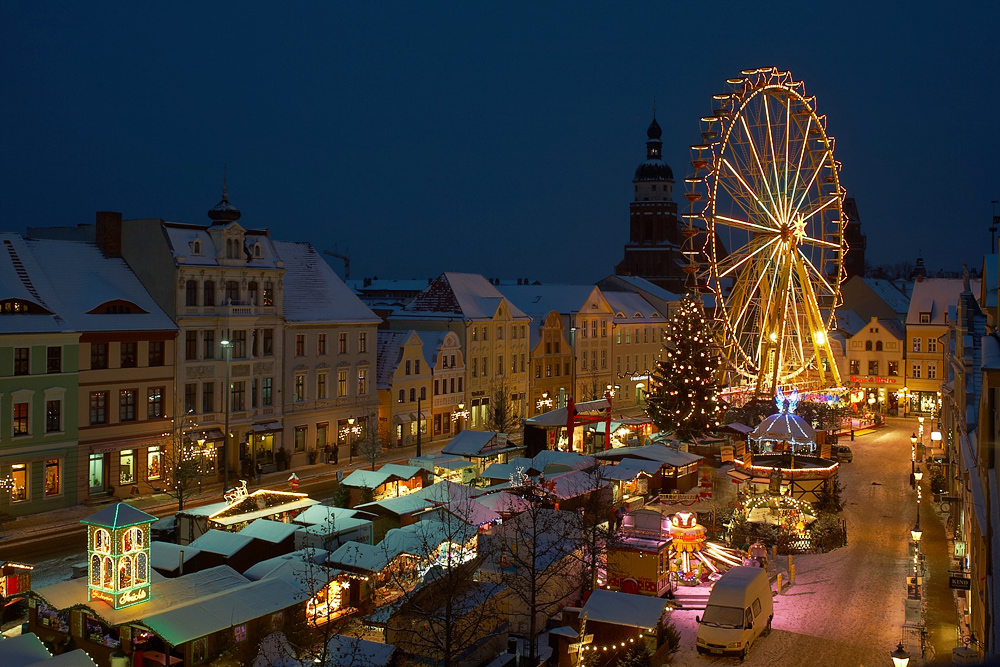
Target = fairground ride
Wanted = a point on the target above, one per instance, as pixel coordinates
(765, 231)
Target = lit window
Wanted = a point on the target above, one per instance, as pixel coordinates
(126, 467)
(20, 415)
(53, 477)
(19, 478)
(154, 463)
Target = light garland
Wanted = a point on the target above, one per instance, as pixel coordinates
(611, 647)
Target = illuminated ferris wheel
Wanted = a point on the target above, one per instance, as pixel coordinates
(766, 189)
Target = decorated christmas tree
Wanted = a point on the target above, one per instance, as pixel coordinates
(684, 392)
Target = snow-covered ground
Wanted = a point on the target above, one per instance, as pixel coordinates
(846, 607)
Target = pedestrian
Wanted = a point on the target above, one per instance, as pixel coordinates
(327, 452)
(260, 472)
(336, 455)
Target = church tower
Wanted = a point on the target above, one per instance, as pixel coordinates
(653, 251)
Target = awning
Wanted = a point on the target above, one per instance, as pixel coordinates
(413, 415)
(265, 427)
(765, 480)
(208, 435)
(738, 475)
(403, 418)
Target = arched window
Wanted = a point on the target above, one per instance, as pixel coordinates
(229, 249)
(191, 293)
(423, 393)
(256, 250)
(413, 394)
(252, 292)
(132, 540)
(268, 294)
(209, 296)
(124, 572)
(868, 345)
(196, 247)
(95, 570)
(878, 346)
(141, 568)
(102, 540)
(107, 573)
(232, 292)
(402, 396)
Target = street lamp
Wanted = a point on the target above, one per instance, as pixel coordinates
(916, 533)
(227, 345)
(900, 658)
(462, 413)
(543, 402)
(350, 439)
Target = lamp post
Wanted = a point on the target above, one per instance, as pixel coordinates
(461, 414)
(420, 399)
(913, 453)
(900, 658)
(227, 346)
(350, 439)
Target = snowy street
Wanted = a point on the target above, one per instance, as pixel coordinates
(846, 607)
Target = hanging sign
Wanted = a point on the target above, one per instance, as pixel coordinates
(959, 583)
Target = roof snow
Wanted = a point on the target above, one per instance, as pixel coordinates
(615, 608)
(935, 296)
(889, 293)
(313, 292)
(631, 307)
(268, 530)
(389, 350)
(221, 542)
(468, 295)
(375, 478)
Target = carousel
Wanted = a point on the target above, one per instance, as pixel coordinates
(692, 558)
(782, 451)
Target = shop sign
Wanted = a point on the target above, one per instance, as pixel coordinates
(959, 583)
(132, 596)
(874, 379)
(959, 549)
(727, 453)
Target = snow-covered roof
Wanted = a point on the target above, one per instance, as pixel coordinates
(167, 555)
(313, 292)
(389, 350)
(654, 452)
(574, 483)
(348, 651)
(27, 650)
(272, 566)
(632, 308)
(477, 444)
(889, 293)
(221, 542)
(538, 301)
(76, 284)
(268, 530)
(651, 288)
(935, 296)
(182, 237)
(375, 478)
(417, 539)
(616, 608)
(467, 295)
(325, 514)
(849, 322)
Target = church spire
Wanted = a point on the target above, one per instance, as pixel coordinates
(224, 212)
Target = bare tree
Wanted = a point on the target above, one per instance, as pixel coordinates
(504, 415)
(373, 442)
(596, 529)
(185, 461)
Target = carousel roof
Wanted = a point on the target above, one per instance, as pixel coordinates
(785, 427)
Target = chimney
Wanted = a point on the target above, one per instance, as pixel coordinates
(109, 233)
(180, 562)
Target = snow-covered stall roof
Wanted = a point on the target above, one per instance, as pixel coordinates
(654, 452)
(313, 292)
(374, 478)
(784, 427)
(272, 566)
(269, 531)
(616, 608)
(325, 514)
(27, 650)
(504, 502)
(477, 444)
(348, 651)
(222, 542)
(558, 417)
(167, 555)
(575, 483)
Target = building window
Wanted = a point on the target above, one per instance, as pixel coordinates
(268, 294)
(232, 292)
(486, 333)
(423, 393)
(300, 345)
(252, 292)
(855, 366)
(239, 403)
(925, 318)
(475, 333)
(190, 398)
(618, 336)
(156, 353)
(342, 343)
(402, 396)
(321, 385)
(154, 403)
(267, 342)
(878, 346)
(300, 387)
(584, 361)
(868, 346)
(154, 463)
(604, 359)
(321, 429)
(240, 343)
(53, 477)
(416, 367)
(893, 369)
(22, 358)
(460, 384)
(362, 342)
(266, 391)
(98, 355)
(126, 405)
(437, 424)
(362, 382)
(916, 371)
(538, 370)
(208, 293)
(20, 412)
(872, 368)
(53, 416)
(126, 467)
(499, 333)
(190, 345)
(191, 293)
(604, 329)
(932, 344)
(207, 397)
(628, 336)
(407, 372)
(437, 387)
(321, 344)
(53, 360)
(931, 371)
(413, 394)
(240, 631)
(916, 344)
(253, 393)
(300, 438)
(19, 478)
(593, 329)
(342, 383)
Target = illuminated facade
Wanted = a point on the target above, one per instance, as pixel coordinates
(118, 555)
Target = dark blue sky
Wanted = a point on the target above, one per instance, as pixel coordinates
(494, 138)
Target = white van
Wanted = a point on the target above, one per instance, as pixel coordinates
(739, 610)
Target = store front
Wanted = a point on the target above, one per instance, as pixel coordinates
(924, 402)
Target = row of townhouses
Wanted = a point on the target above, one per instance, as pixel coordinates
(124, 337)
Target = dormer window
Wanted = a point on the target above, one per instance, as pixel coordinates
(196, 247)
(20, 307)
(256, 250)
(116, 307)
(925, 318)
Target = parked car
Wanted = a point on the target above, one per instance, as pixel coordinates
(843, 453)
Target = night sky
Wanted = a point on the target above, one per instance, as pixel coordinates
(494, 138)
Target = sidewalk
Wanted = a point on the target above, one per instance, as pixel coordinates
(17, 536)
